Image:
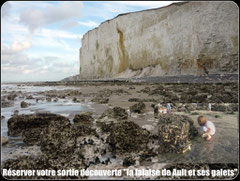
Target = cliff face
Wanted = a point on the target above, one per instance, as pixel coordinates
(172, 40)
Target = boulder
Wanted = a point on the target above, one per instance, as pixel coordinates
(105, 124)
(115, 113)
(39, 99)
(29, 97)
(11, 97)
(30, 126)
(221, 107)
(84, 130)
(100, 100)
(181, 108)
(145, 90)
(75, 100)
(32, 136)
(147, 155)
(174, 133)
(16, 112)
(110, 117)
(134, 100)
(48, 99)
(199, 98)
(24, 104)
(58, 139)
(138, 107)
(83, 118)
(5, 104)
(159, 90)
(91, 148)
(128, 161)
(202, 106)
(234, 107)
(127, 137)
(3, 98)
(185, 97)
(190, 107)
(132, 87)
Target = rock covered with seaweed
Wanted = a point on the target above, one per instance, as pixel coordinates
(175, 132)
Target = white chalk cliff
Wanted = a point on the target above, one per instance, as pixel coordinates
(172, 40)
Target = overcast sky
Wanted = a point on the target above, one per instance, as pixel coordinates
(40, 40)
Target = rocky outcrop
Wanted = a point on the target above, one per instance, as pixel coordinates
(83, 118)
(100, 100)
(221, 107)
(127, 137)
(115, 113)
(12, 96)
(92, 148)
(31, 126)
(175, 132)
(110, 117)
(138, 108)
(128, 161)
(58, 139)
(24, 104)
(5, 104)
(181, 38)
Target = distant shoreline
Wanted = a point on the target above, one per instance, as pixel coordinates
(211, 78)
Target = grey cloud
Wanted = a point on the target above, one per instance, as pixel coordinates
(17, 65)
(14, 59)
(36, 18)
(63, 11)
(15, 47)
(32, 18)
(14, 55)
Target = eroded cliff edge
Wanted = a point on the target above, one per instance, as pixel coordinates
(172, 40)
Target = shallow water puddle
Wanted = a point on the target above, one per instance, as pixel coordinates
(65, 107)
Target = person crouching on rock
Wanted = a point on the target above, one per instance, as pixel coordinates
(207, 127)
(159, 109)
(168, 106)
